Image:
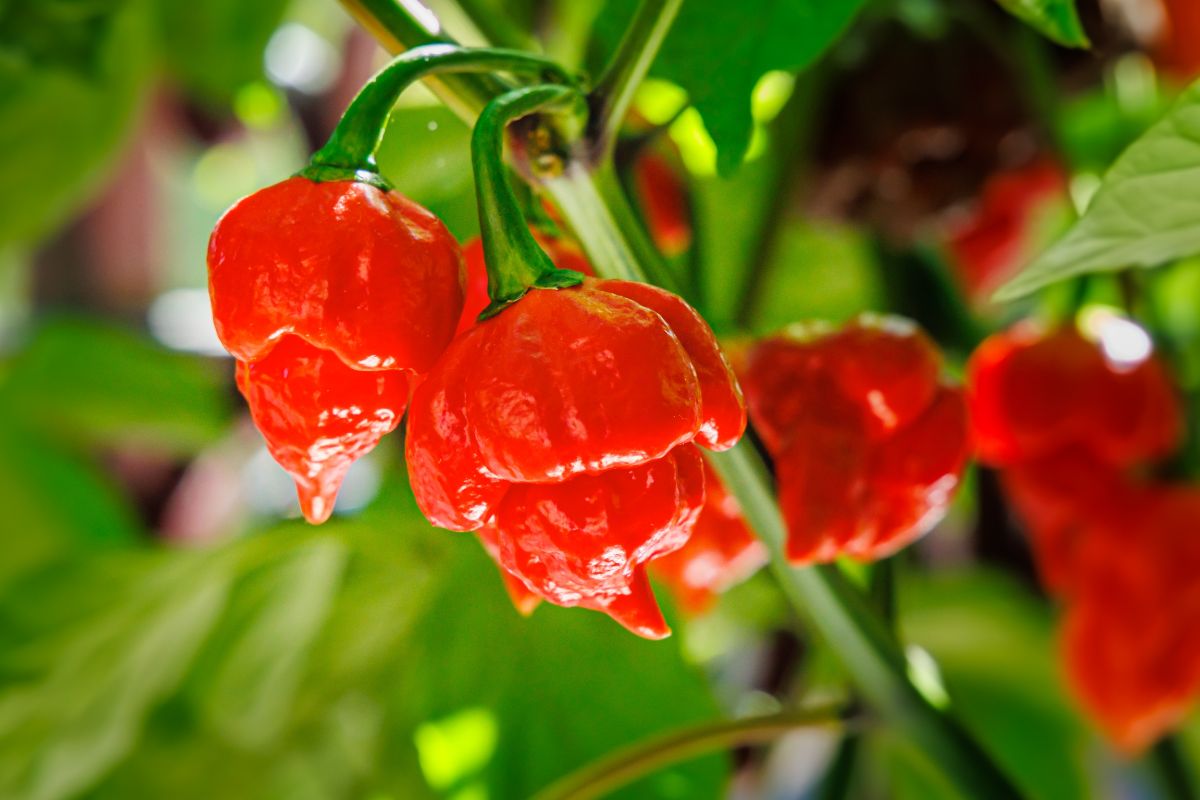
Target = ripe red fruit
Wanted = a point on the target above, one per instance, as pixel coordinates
(1033, 394)
(1129, 633)
(989, 245)
(868, 444)
(664, 201)
(721, 551)
(1177, 51)
(566, 423)
(331, 296)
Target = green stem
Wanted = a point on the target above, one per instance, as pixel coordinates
(398, 29)
(624, 766)
(354, 141)
(515, 262)
(1171, 770)
(611, 98)
(867, 649)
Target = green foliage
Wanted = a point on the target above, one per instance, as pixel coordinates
(717, 51)
(215, 47)
(71, 73)
(338, 660)
(1003, 676)
(1144, 213)
(1057, 20)
(95, 383)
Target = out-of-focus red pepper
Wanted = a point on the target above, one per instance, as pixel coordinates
(664, 201)
(989, 245)
(721, 551)
(1130, 627)
(869, 444)
(1032, 394)
(566, 425)
(331, 296)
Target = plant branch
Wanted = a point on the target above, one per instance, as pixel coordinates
(611, 98)
(624, 766)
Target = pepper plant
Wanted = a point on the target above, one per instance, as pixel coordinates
(629, 429)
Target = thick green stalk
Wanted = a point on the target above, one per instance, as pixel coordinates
(608, 774)
(357, 136)
(515, 261)
(611, 98)
(838, 611)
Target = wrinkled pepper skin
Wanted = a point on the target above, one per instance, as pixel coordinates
(721, 552)
(1033, 394)
(869, 444)
(563, 252)
(332, 296)
(565, 424)
(1129, 636)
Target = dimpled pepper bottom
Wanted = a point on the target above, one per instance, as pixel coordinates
(585, 541)
(319, 415)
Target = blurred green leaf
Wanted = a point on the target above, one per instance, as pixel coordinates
(94, 382)
(215, 47)
(996, 648)
(260, 649)
(71, 73)
(564, 686)
(1144, 214)
(53, 503)
(318, 663)
(717, 51)
(1057, 20)
(62, 728)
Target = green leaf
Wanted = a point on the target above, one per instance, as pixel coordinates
(71, 75)
(359, 659)
(561, 688)
(54, 503)
(65, 725)
(995, 646)
(717, 51)
(259, 653)
(1057, 20)
(215, 47)
(98, 383)
(1145, 213)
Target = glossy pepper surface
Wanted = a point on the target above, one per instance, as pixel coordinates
(869, 444)
(566, 425)
(1033, 393)
(332, 296)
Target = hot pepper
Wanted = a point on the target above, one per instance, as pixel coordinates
(868, 443)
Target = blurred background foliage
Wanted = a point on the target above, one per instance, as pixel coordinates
(168, 629)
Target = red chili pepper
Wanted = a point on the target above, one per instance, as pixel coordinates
(565, 422)
(721, 551)
(991, 243)
(1130, 629)
(868, 444)
(562, 252)
(1177, 51)
(663, 198)
(1033, 394)
(331, 296)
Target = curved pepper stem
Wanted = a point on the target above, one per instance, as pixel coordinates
(350, 152)
(515, 262)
